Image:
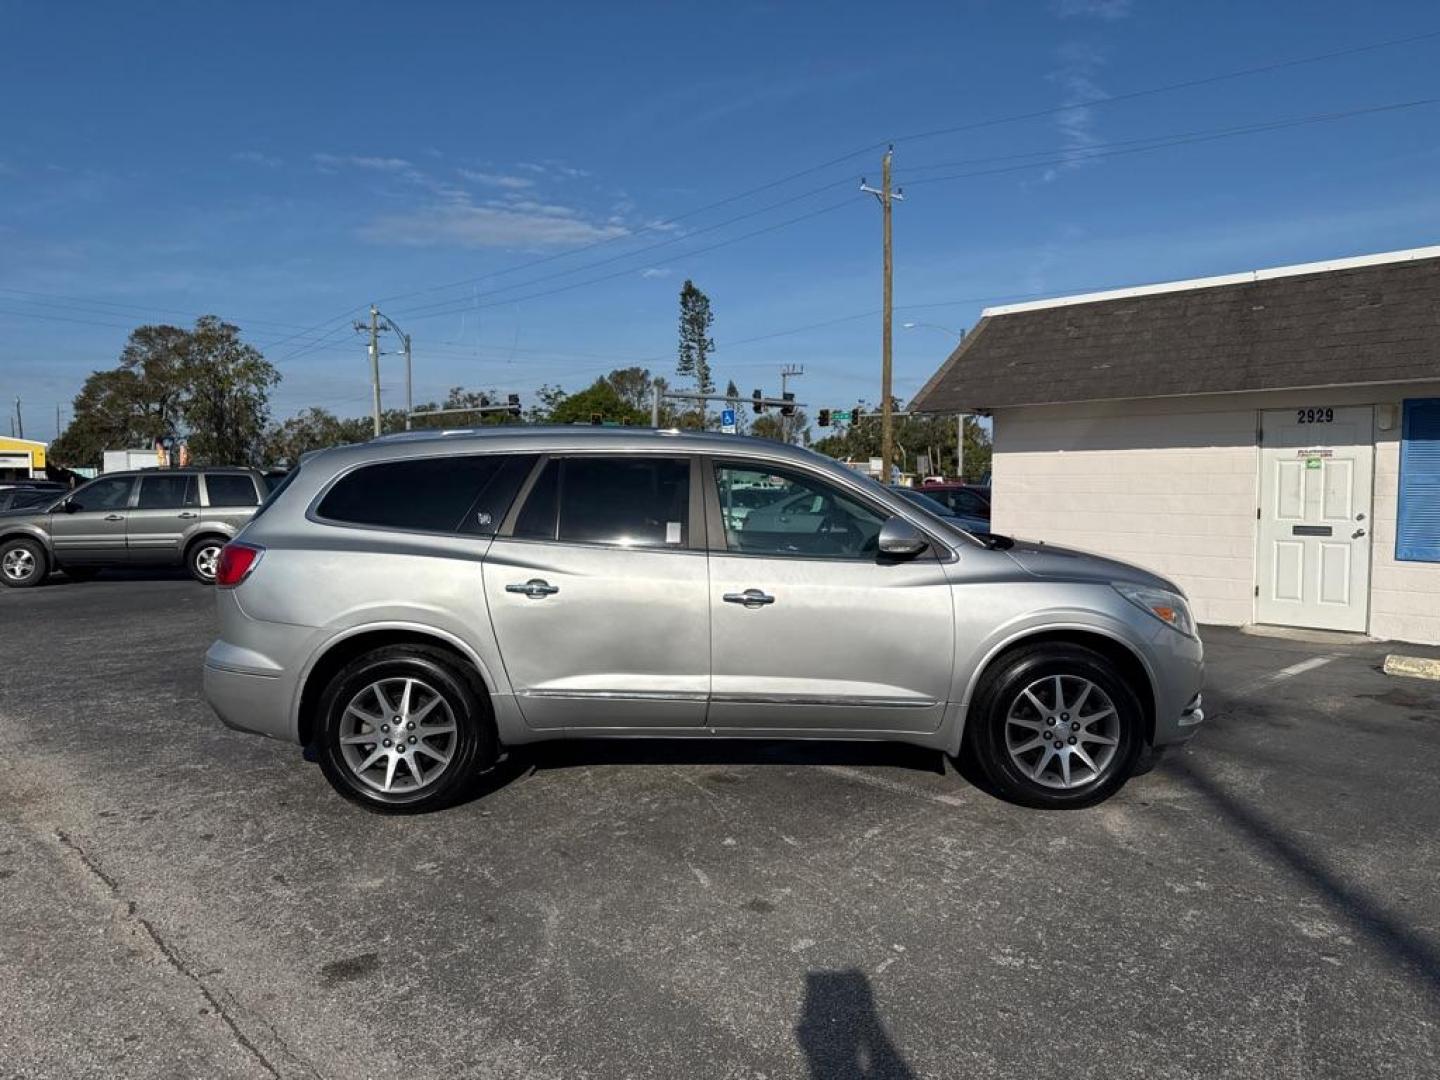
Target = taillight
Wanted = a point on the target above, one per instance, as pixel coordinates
(236, 562)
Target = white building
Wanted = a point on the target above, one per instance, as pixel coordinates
(1269, 440)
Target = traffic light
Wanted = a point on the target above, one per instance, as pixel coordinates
(823, 418)
(787, 409)
(758, 401)
(513, 404)
(857, 414)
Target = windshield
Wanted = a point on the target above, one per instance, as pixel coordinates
(925, 502)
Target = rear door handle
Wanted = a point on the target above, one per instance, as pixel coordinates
(114, 517)
(188, 514)
(751, 598)
(535, 589)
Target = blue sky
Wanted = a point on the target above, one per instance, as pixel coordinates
(281, 164)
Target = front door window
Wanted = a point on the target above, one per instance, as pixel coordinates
(780, 513)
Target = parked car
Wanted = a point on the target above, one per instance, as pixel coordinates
(16, 498)
(406, 607)
(971, 500)
(940, 510)
(149, 517)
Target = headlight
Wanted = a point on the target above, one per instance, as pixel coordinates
(1170, 608)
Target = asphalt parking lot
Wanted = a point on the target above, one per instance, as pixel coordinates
(184, 901)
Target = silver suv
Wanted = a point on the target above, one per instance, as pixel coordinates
(407, 607)
(151, 517)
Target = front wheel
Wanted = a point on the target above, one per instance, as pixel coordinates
(1055, 727)
(404, 729)
(22, 563)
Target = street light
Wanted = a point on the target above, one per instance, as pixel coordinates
(934, 326)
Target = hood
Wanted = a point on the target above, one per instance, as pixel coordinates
(1069, 564)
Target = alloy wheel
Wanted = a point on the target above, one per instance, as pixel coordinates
(1062, 731)
(207, 561)
(18, 564)
(397, 735)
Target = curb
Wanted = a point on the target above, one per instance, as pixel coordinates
(1415, 667)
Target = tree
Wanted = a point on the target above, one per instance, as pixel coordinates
(696, 344)
(171, 381)
(313, 429)
(932, 434)
(771, 425)
(598, 401)
(226, 402)
(131, 405)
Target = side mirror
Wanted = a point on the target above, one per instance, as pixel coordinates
(900, 539)
(69, 506)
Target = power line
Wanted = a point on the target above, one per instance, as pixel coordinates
(1034, 114)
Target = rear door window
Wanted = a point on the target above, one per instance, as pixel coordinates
(638, 502)
(231, 489)
(167, 492)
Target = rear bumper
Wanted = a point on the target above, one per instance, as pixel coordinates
(246, 699)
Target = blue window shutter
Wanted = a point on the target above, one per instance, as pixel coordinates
(1417, 533)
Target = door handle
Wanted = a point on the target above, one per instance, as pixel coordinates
(188, 514)
(114, 517)
(1357, 534)
(535, 589)
(751, 598)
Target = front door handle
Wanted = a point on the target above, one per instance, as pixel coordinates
(751, 598)
(1357, 534)
(114, 517)
(535, 589)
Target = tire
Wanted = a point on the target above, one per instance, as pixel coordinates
(202, 558)
(1015, 727)
(407, 777)
(23, 563)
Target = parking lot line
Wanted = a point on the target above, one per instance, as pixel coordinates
(893, 786)
(1266, 681)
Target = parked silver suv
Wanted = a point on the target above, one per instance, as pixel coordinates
(150, 517)
(407, 607)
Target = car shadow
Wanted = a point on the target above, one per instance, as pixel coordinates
(60, 578)
(532, 758)
(841, 1032)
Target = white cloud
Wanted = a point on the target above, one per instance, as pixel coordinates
(513, 225)
(1076, 77)
(499, 180)
(255, 157)
(361, 161)
(655, 272)
(1109, 10)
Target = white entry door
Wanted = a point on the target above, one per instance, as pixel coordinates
(1313, 565)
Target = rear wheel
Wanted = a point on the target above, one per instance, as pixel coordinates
(203, 558)
(404, 729)
(1056, 727)
(23, 563)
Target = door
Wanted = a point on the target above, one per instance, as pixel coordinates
(597, 591)
(92, 527)
(166, 505)
(811, 629)
(1313, 564)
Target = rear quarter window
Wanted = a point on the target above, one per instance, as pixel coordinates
(462, 492)
(231, 489)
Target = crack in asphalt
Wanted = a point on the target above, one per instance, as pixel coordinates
(173, 958)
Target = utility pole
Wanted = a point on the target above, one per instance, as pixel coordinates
(655, 403)
(960, 447)
(788, 372)
(57, 419)
(19, 418)
(887, 421)
(375, 367)
(409, 387)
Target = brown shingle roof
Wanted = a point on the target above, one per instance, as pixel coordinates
(1361, 324)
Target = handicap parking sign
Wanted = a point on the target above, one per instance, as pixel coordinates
(727, 421)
